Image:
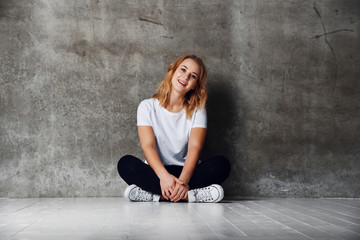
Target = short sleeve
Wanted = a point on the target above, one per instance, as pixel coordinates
(144, 114)
(200, 120)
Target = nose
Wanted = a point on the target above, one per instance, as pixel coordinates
(187, 76)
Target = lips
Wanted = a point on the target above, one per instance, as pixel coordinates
(182, 82)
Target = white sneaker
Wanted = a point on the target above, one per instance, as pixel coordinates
(211, 194)
(136, 194)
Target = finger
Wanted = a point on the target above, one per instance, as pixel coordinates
(174, 199)
(175, 192)
(184, 194)
(180, 196)
(177, 198)
(172, 195)
(168, 193)
(164, 195)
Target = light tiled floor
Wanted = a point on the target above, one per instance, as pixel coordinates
(116, 218)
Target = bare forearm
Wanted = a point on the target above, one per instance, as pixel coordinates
(154, 161)
(190, 164)
(168, 182)
(196, 142)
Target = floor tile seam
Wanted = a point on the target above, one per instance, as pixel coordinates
(178, 218)
(287, 227)
(306, 224)
(242, 232)
(228, 220)
(306, 216)
(348, 202)
(340, 213)
(18, 210)
(352, 223)
(336, 203)
(206, 223)
(179, 221)
(259, 216)
(249, 212)
(274, 205)
(21, 230)
(296, 220)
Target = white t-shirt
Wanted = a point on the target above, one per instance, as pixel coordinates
(171, 130)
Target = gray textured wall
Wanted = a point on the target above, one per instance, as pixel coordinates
(283, 88)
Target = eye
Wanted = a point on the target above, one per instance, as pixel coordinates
(193, 76)
(183, 69)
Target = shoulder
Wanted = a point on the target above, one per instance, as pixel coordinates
(146, 111)
(150, 103)
(200, 118)
(200, 111)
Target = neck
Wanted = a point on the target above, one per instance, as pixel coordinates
(175, 103)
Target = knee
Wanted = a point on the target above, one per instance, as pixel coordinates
(223, 165)
(124, 165)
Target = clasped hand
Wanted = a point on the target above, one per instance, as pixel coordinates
(173, 188)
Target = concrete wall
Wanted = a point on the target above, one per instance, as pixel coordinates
(284, 98)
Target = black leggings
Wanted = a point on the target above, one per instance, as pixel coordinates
(134, 171)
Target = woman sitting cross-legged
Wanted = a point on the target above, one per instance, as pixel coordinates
(172, 129)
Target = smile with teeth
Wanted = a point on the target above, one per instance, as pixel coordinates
(182, 82)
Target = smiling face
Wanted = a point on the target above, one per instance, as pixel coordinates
(185, 77)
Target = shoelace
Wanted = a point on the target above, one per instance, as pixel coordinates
(142, 195)
(203, 194)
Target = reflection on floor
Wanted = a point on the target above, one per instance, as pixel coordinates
(116, 218)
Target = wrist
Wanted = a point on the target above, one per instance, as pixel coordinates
(162, 174)
(184, 180)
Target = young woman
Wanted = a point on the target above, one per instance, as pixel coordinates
(172, 128)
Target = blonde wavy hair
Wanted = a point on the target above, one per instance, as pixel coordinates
(194, 98)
